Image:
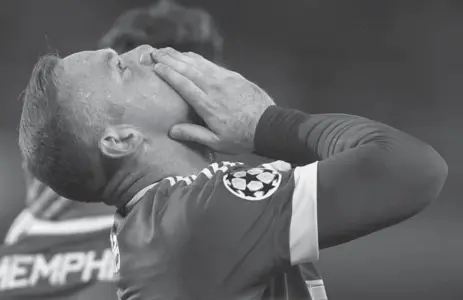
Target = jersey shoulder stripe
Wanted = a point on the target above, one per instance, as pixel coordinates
(207, 173)
(178, 181)
(27, 224)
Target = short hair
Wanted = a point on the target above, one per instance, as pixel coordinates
(52, 143)
(166, 24)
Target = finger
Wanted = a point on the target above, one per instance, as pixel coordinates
(179, 56)
(188, 90)
(211, 69)
(192, 58)
(199, 61)
(195, 133)
(179, 65)
(151, 57)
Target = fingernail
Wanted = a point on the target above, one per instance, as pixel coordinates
(147, 58)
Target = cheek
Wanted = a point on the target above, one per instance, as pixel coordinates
(161, 106)
(173, 110)
(170, 102)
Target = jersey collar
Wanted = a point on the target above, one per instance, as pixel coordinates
(138, 196)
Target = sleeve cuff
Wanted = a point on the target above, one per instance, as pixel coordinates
(278, 134)
(303, 232)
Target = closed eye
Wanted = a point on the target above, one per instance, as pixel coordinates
(120, 65)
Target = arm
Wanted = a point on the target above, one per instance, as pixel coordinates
(370, 175)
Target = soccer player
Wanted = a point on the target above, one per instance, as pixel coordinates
(57, 249)
(169, 24)
(46, 222)
(116, 129)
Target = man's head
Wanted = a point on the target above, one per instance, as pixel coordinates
(166, 24)
(88, 113)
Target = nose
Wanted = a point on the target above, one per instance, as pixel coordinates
(107, 53)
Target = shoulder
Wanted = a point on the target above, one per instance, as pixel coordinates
(216, 188)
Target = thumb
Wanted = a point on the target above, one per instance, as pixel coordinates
(194, 133)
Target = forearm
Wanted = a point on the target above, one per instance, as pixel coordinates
(300, 138)
(370, 175)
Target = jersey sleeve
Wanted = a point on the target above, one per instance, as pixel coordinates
(223, 233)
(303, 223)
(256, 220)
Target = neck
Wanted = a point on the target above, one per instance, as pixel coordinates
(139, 172)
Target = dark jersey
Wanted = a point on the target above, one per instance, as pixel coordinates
(302, 282)
(313, 282)
(57, 260)
(227, 232)
(222, 234)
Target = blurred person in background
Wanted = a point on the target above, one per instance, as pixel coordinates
(57, 249)
(166, 24)
(169, 24)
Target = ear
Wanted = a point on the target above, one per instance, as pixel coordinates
(120, 141)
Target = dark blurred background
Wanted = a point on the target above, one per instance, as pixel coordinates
(397, 61)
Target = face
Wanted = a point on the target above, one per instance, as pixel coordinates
(149, 103)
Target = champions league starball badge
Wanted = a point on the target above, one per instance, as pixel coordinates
(253, 184)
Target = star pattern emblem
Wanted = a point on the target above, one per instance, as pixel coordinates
(253, 184)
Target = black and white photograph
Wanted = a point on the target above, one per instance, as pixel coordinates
(231, 150)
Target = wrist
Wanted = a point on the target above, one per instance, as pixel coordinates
(278, 134)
